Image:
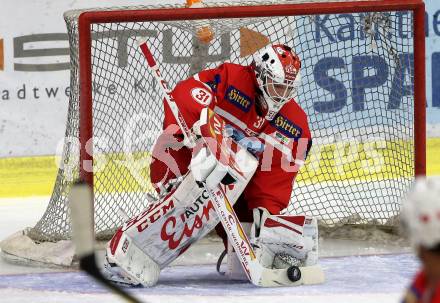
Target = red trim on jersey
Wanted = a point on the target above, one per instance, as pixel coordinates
(420, 291)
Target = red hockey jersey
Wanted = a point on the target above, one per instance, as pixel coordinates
(230, 90)
(419, 292)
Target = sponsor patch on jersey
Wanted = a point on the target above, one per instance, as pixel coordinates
(286, 127)
(281, 138)
(201, 95)
(238, 98)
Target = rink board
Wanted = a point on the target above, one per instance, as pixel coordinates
(35, 176)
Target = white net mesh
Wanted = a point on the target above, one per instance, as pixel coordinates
(357, 89)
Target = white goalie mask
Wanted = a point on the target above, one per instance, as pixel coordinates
(421, 213)
(277, 70)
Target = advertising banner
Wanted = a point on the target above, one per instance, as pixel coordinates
(432, 25)
(34, 73)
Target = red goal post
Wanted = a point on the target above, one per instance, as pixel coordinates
(346, 194)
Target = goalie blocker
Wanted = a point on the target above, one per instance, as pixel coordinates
(150, 241)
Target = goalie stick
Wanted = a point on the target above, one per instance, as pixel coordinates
(81, 215)
(256, 273)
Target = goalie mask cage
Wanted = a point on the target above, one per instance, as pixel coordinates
(363, 89)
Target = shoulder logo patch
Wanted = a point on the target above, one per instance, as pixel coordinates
(238, 98)
(201, 95)
(214, 84)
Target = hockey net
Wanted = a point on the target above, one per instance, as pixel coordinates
(359, 90)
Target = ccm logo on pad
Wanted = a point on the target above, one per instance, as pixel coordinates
(201, 95)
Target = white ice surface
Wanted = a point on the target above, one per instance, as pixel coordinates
(349, 279)
(370, 278)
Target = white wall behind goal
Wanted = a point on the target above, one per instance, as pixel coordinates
(34, 82)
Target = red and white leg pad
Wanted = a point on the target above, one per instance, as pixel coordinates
(279, 241)
(130, 265)
(154, 238)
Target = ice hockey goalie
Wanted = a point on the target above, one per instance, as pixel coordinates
(265, 133)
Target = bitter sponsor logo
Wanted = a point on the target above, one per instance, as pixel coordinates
(286, 127)
(238, 98)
